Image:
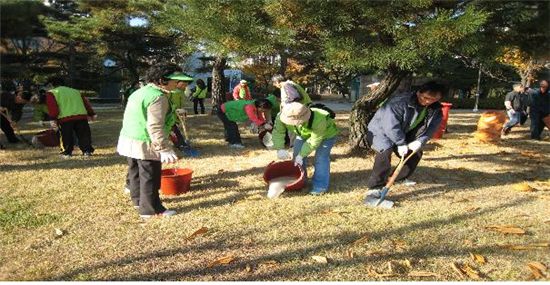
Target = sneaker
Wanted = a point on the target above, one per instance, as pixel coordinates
(318, 191)
(87, 154)
(407, 182)
(374, 192)
(66, 156)
(236, 145)
(127, 191)
(505, 131)
(166, 213)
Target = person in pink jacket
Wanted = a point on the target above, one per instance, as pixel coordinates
(241, 91)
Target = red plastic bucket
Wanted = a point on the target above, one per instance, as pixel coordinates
(175, 181)
(443, 126)
(286, 168)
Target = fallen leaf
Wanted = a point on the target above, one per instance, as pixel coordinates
(396, 267)
(470, 271)
(373, 273)
(399, 244)
(407, 264)
(472, 209)
(248, 268)
(537, 268)
(506, 229)
(349, 253)
(320, 259)
(59, 233)
(523, 187)
(269, 263)
(461, 200)
(361, 241)
(457, 269)
(198, 232)
(220, 171)
(531, 154)
(422, 274)
(222, 260)
(547, 221)
(478, 258)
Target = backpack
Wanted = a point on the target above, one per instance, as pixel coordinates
(331, 113)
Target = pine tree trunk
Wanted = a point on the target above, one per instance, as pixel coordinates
(218, 82)
(284, 63)
(363, 110)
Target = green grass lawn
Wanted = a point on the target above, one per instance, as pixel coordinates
(463, 187)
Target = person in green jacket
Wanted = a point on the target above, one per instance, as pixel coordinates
(148, 119)
(275, 99)
(176, 98)
(242, 111)
(315, 131)
(198, 96)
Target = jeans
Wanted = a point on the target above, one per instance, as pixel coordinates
(515, 119)
(537, 124)
(321, 175)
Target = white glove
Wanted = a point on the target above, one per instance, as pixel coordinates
(268, 126)
(41, 122)
(253, 128)
(283, 154)
(415, 145)
(512, 111)
(298, 160)
(402, 150)
(53, 125)
(168, 156)
(181, 112)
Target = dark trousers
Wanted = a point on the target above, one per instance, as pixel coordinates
(537, 125)
(381, 170)
(82, 130)
(179, 136)
(196, 102)
(231, 130)
(143, 180)
(8, 130)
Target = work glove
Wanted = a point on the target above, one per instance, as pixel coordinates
(298, 160)
(402, 150)
(41, 123)
(53, 125)
(181, 112)
(168, 156)
(512, 111)
(253, 128)
(283, 154)
(268, 126)
(415, 145)
(93, 118)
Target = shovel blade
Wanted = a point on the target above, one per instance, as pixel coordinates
(372, 202)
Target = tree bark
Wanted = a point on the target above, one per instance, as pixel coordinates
(363, 110)
(218, 82)
(284, 63)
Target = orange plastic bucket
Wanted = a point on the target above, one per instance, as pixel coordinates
(175, 181)
(286, 168)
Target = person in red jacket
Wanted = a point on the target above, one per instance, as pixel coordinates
(71, 111)
(241, 91)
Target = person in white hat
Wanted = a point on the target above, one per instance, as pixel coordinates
(241, 91)
(315, 130)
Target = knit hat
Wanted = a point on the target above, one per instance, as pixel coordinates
(244, 82)
(295, 114)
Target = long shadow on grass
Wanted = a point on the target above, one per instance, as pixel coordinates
(311, 268)
(74, 163)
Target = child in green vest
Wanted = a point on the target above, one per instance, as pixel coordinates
(241, 111)
(148, 119)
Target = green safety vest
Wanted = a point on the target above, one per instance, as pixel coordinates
(134, 124)
(234, 110)
(69, 101)
(200, 93)
(419, 119)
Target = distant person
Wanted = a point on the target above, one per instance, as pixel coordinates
(198, 96)
(405, 123)
(539, 108)
(11, 107)
(516, 103)
(71, 110)
(241, 91)
(290, 91)
(148, 119)
(177, 98)
(242, 111)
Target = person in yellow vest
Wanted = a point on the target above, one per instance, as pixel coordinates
(198, 96)
(148, 119)
(71, 111)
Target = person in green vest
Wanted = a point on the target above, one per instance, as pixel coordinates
(177, 99)
(71, 111)
(402, 125)
(315, 130)
(242, 111)
(198, 96)
(290, 91)
(148, 119)
(275, 99)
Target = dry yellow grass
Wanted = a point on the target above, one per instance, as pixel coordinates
(463, 187)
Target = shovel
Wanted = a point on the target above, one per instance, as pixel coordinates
(187, 149)
(381, 202)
